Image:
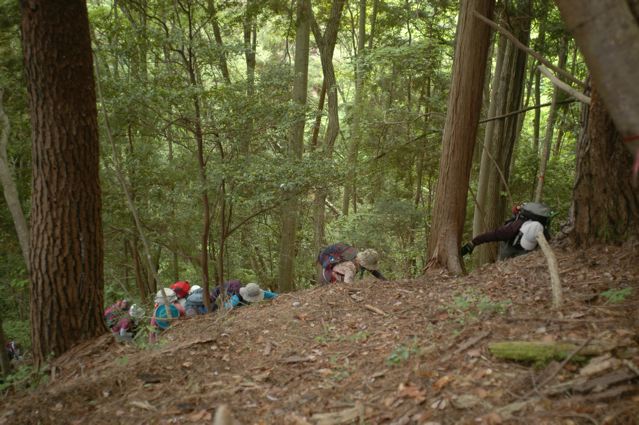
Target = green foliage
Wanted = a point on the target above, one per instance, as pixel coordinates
(402, 353)
(25, 376)
(471, 305)
(617, 295)
(19, 331)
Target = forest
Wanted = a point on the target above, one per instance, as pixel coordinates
(144, 142)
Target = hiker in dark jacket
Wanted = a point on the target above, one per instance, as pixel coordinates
(517, 235)
(363, 261)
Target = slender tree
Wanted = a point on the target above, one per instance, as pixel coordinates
(290, 207)
(326, 44)
(356, 127)
(502, 134)
(460, 130)
(66, 247)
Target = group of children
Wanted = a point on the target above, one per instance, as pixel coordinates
(182, 300)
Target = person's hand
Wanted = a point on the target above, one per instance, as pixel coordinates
(467, 249)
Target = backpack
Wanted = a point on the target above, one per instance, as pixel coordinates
(115, 312)
(195, 303)
(536, 212)
(232, 287)
(332, 255)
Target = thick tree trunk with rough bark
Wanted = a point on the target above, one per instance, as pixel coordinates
(290, 206)
(607, 33)
(460, 130)
(605, 205)
(66, 246)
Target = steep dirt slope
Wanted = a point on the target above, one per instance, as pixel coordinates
(405, 352)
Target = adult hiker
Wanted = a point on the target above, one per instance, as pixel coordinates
(341, 262)
(518, 235)
(114, 313)
(251, 293)
(231, 287)
(195, 301)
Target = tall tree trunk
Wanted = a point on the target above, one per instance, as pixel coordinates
(356, 133)
(550, 125)
(9, 187)
(326, 45)
(217, 34)
(290, 207)
(479, 217)
(5, 362)
(250, 36)
(66, 246)
(460, 130)
(498, 151)
(605, 205)
(540, 45)
(612, 61)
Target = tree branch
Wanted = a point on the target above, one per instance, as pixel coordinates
(527, 49)
(521, 111)
(563, 86)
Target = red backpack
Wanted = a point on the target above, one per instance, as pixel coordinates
(332, 255)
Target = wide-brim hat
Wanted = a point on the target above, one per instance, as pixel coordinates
(529, 231)
(368, 259)
(170, 295)
(252, 293)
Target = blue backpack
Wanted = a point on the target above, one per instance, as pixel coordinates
(195, 303)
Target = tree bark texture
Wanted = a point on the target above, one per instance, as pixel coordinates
(290, 206)
(66, 242)
(605, 205)
(607, 33)
(460, 130)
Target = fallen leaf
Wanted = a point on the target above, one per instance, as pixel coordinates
(202, 415)
(412, 391)
(466, 401)
(142, 405)
(442, 382)
(491, 418)
(439, 404)
(476, 352)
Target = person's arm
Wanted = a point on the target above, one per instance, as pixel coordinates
(233, 302)
(377, 274)
(346, 271)
(502, 233)
(268, 295)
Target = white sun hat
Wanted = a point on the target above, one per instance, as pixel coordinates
(529, 232)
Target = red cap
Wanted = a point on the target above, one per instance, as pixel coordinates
(181, 288)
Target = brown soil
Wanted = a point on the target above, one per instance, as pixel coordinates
(404, 352)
